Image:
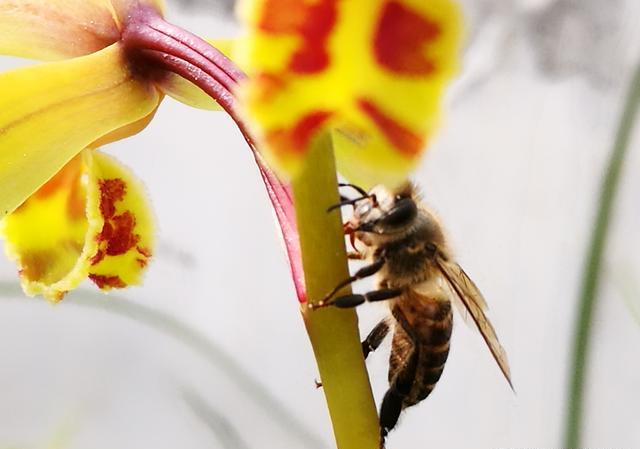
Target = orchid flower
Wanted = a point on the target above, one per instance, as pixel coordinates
(371, 73)
(69, 211)
(364, 80)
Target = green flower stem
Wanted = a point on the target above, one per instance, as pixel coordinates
(592, 269)
(333, 333)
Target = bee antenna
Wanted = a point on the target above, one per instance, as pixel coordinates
(359, 189)
(346, 202)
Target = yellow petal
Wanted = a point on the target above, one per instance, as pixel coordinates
(125, 242)
(58, 29)
(188, 93)
(373, 72)
(382, 166)
(55, 29)
(123, 8)
(226, 46)
(125, 131)
(50, 112)
(58, 237)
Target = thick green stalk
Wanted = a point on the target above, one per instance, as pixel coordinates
(333, 333)
(591, 274)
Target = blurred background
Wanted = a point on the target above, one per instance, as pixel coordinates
(211, 351)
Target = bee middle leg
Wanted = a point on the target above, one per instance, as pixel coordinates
(348, 301)
(371, 342)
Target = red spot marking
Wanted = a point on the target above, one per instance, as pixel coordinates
(312, 21)
(282, 16)
(296, 139)
(270, 85)
(306, 127)
(146, 252)
(400, 39)
(146, 255)
(111, 191)
(405, 140)
(107, 282)
(122, 238)
(97, 258)
(117, 236)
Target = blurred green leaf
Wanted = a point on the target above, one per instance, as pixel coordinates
(221, 427)
(592, 266)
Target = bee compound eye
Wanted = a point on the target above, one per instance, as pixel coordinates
(402, 213)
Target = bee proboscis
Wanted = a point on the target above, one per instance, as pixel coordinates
(407, 251)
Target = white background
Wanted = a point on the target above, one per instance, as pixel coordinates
(514, 175)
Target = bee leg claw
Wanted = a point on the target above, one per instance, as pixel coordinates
(318, 383)
(354, 255)
(318, 305)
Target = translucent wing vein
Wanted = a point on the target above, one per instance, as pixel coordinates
(475, 304)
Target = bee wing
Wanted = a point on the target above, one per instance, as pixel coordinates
(475, 304)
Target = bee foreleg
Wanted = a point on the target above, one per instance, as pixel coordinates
(355, 255)
(374, 338)
(366, 271)
(348, 301)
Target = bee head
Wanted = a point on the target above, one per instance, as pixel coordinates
(384, 211)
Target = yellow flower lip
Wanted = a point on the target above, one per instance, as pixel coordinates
(90, 220)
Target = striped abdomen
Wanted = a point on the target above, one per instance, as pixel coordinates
(420, 345)
(418, 353)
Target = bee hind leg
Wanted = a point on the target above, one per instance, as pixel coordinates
(374, 338)
(394, 399)
(401, 380)
(389, 413)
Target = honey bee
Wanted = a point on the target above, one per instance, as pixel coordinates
(407, 251)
